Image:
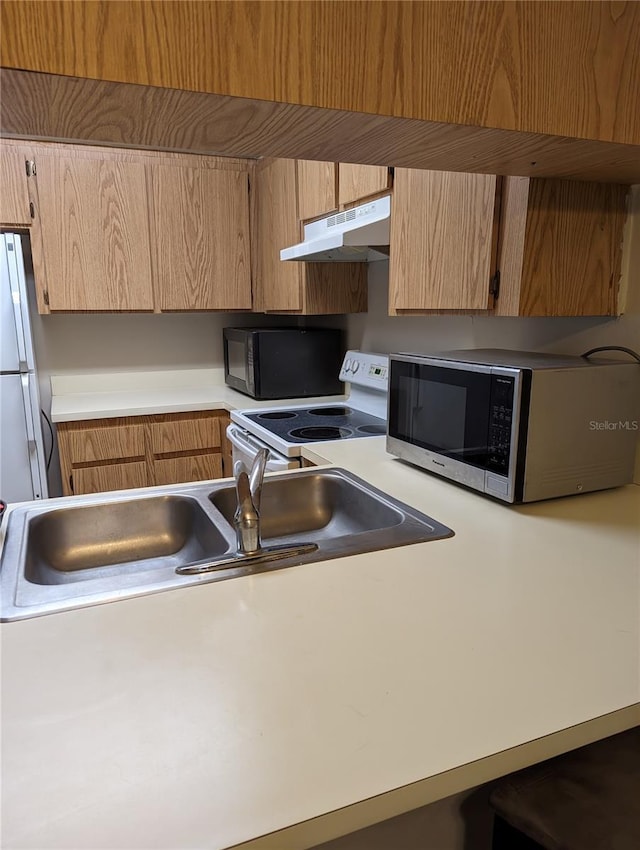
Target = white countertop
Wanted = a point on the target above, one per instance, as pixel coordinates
(107, 395)
(272, 709)
(289, 707)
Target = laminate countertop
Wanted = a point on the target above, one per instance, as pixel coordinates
(282, 709)
(104, 395)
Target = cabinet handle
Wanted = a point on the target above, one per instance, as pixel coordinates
(71, 483)
(494, 285)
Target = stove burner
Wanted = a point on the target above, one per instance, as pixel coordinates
(277, 414)
(321, 433)
(330, 411)
(372, 429)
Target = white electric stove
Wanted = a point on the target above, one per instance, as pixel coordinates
(283, 430)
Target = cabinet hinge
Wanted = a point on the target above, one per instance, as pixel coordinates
(494, 284)
(45, 296)
(30, 166)
(32, 210)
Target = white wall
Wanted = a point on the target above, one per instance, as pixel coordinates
(141, 342)
(376, 331)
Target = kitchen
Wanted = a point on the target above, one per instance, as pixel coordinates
(112, 343)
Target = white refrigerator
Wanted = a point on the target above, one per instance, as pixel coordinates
(23, 466)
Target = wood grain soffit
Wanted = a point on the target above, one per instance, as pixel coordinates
(73, 109)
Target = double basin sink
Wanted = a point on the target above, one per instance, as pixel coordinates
(112, 546)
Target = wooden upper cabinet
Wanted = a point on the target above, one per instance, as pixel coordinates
(14, 194)
(278, 284)
(356, 182)
(560, 247)
(316, 188)
(296, 287)
(93, 223)
(515, 246)
(442, 241)
(200, 243)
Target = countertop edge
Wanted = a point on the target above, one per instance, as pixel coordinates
(399, 801)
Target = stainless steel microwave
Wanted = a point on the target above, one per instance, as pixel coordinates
(519, 426)
(272, 363)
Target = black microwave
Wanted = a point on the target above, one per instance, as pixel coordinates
(272, 363)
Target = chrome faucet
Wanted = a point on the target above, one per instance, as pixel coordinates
(246, 519)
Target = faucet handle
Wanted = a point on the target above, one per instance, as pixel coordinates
(245, 507)
(256, 476)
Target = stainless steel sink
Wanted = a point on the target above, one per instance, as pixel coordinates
(315, 507)
(95, 549)
(116, 538)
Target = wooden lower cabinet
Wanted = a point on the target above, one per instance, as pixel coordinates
(184, 447)
(110, 476)
(224, 420)
(202, 467)
(99, 455)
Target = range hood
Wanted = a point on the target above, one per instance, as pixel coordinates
(357, 235)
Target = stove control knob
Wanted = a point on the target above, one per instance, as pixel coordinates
(355, 366)
(347, 365)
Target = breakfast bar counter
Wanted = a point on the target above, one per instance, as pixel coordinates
(282, 709)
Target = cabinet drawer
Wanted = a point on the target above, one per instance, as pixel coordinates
(185, 434)
(113, 476)
(105, 442)
(176, 470)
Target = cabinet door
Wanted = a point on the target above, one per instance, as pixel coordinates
(278, 284)
(112, 476)
(561, 247)
(316, 188)
(442, 241)
(358, 181)
(200, 245)
(14, 195)
(93, 217)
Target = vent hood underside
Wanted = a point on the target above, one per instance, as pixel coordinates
(356, 235)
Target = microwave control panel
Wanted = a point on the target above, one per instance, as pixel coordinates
(500, 422)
